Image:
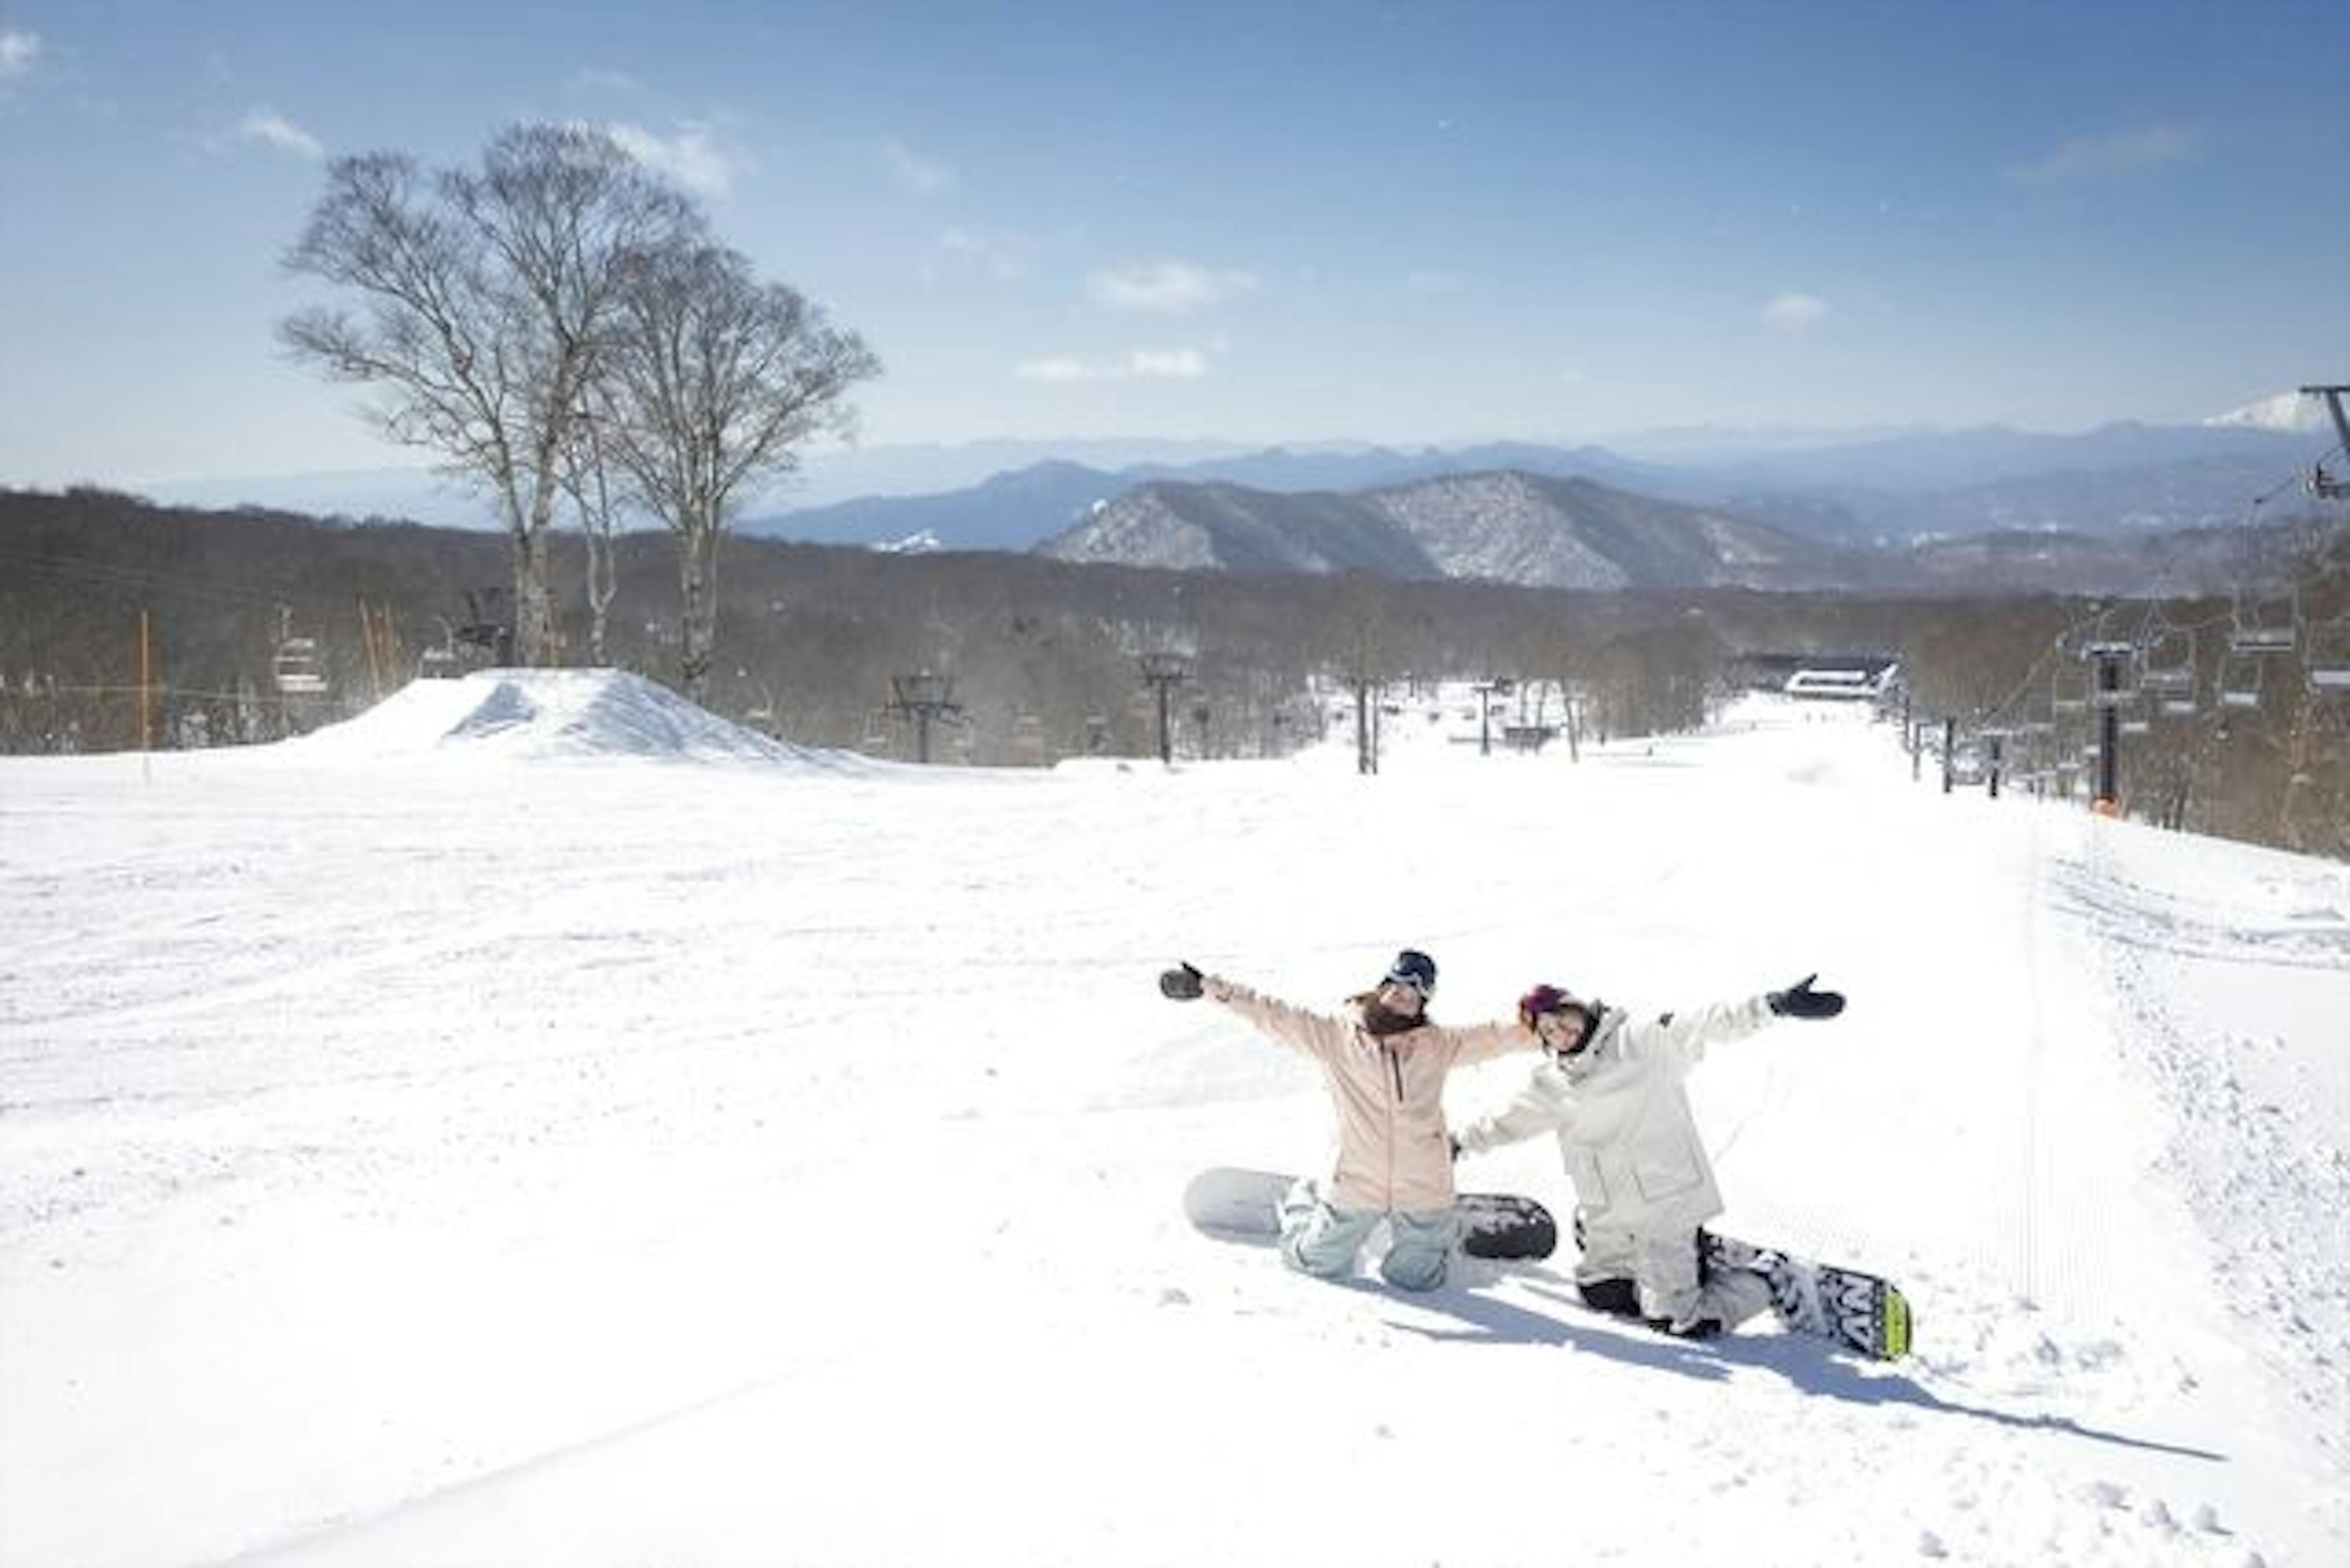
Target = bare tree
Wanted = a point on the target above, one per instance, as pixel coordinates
(586, 476)
(485, 302)
(716, 379)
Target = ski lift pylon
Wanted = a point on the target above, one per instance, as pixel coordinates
(2115, 685)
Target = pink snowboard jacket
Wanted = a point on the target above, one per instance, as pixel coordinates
(1393, 1149)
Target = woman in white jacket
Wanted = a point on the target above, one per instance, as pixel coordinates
(1613, 1089)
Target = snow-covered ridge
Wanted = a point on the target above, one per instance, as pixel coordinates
(2288, 411)
(522, 714)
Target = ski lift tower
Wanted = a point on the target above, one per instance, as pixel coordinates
(924, 697)
(1163, 672)
(2109, 696)
(1486, 689)
(2322, 483)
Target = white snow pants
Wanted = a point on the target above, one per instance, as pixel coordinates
(1321, 1238)
(1673, 1288)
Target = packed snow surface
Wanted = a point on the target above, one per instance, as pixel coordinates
(538, 1123)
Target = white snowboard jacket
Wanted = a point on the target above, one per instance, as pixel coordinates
(1621, 1111)
(1394, 1152)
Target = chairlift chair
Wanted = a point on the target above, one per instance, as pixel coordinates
(2239, 679)
(2069, 690)
(2329, 657)
(2264, 623)
(2165, 666)
(297, 669)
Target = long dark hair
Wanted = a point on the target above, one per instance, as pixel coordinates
(1380, 1021)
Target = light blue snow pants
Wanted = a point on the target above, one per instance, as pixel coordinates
(1321, 1238)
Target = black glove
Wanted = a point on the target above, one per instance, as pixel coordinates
(1179, 984)
(1800, 1000)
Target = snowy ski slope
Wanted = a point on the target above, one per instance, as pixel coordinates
(537, 1123)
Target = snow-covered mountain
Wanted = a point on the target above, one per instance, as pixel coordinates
(530, 1125)
(1576, 534)
(2291, 412)
(1515, 527)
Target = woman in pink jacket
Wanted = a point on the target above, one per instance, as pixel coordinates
(1384, 1064)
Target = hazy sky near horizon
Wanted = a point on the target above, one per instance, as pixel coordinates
(1408, 222)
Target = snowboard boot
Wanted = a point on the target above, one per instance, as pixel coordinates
(1616, 1297)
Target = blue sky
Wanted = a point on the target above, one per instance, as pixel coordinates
(1283, 221)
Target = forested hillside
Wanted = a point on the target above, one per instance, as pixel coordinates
(1045, 656)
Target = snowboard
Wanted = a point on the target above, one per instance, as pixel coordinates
(1860, 1312)
(1246, 1205)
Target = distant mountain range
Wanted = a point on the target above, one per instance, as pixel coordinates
(1780, 508)
(2118, 481)
(1541, 532)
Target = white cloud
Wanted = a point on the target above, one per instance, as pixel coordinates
(923, 176)
(603, 79)
(693, 157)
(1135, 365)
(1170, 364)
(999, 259)
(1794, 312)
(18, 50)
(1172, 287)
(2108, 157)
(268, 128)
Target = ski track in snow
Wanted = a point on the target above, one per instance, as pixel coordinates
(577, 1133)
(2253, 1154)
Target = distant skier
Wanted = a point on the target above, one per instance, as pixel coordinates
(1385, 1065)
(1613, 1090)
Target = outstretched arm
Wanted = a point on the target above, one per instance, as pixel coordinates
(1539, 1107)
(1691, 1033)
(1483, 1042)
(1688, 1033)
(1318, 1035)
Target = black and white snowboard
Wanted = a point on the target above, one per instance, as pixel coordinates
(1246, 1205)
(1844, 1307)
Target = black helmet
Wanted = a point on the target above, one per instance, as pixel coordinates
(1414, 968)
